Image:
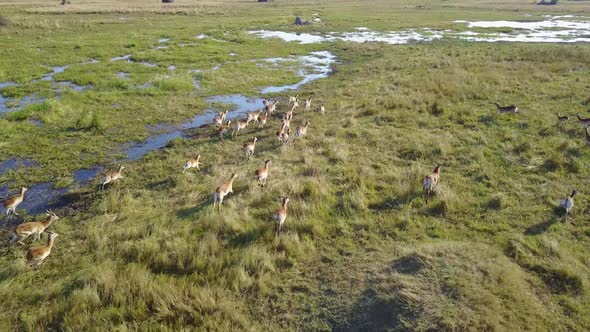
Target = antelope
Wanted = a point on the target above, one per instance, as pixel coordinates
(322, 109)
(222, 191)
(301, 130)
(308, 104)
(430, 181)
(563, 118)
(219, 118)
(567, 204)
(12, 202)
(295, 104)
(583, 121)
(270, 107)
(262, 119)
(36, 228)
(254, 116)
(248, 147)
(192, 163)
(281, 131)
(288, 115)
(293, 99)
(588, 136)
(262, 174)
(286, 121)
(281, 214)
(111, 176)
(507, 109)
(239, 125)
(224, 129)
(37, 255)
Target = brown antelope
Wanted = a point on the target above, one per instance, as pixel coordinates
(322, 109)
(36, 228)
(111, 176)
(262, 119)
(288, 115)
(239, 125)
(219, 118)
(301, 130)
(295, 105)
(37, 255)
(430, 181)
(583, 121)
(270, 107)
(254, 116)
(12, 202)
(293, 99)
(224, 129)
(192, 163)
(308, 104)
(286, 121)
(281, 214)
(262, 174)
(507, 109)
(285, 136)
(223, 190)
(249, 147)
(281, 131)
(567, 204)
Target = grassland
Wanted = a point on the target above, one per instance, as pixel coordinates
(361, 251)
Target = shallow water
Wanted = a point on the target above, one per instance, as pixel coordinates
(14, 164)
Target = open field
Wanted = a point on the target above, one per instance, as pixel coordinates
(103, 83)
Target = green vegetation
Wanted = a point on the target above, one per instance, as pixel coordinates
(361, 249)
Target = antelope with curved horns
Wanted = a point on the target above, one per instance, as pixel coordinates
(11, 203)
(281, 131)
(430, 181)
(219, 118)
(293, 99)
(281, 214)
(192, 163)
(262, 174)
(295, 105)
(223, 190)
(36, 228)
(270, 107)
(111, 176)
(254, 116)
(37, 255)
(249, 147)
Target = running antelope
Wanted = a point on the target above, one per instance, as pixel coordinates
(308, 104)
(270, 107)
(37, 255)
(295, 105)
(285, 136)
(254, 116)
(288, 115)
(286, 121)
(223, 190)
(219, 118)
(583, 121)
(262, 119)
(507, 109)
(111, 176)
(192, 163)
(301, 130)
(293, 99)
(281, 214)
(12, 202)
(224, 129)
(322, 109)
(567, 204)
(249, 147)
(36, 228)
(262, 174)
(239, 125)
(430, 181)
(281, 131)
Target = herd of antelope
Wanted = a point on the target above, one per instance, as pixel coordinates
(36, 255)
